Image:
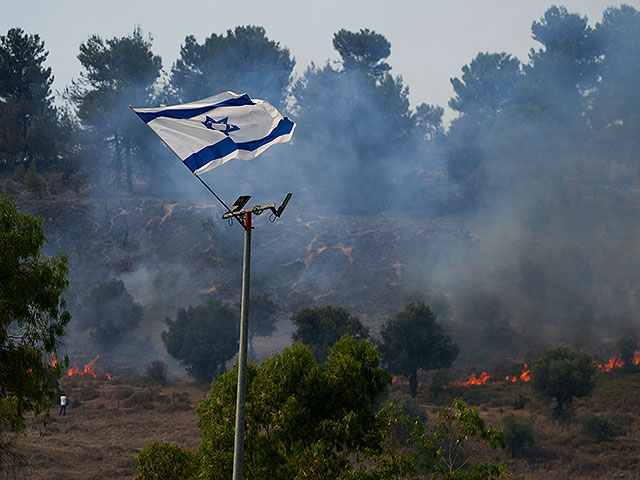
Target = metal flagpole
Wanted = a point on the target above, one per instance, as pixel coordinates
(238, 441)
(237, 212)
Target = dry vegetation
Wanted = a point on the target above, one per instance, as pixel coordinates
(108, 423)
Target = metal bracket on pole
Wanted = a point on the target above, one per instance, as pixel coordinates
(236, 209)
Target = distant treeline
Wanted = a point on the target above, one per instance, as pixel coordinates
(564, 112)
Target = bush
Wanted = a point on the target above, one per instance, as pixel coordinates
(122, 392)
(157, 372)
(439, 380)
(598, 428)
(518, 435)
(562, 374)
(164, 461)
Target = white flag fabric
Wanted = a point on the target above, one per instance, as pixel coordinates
(207, 133)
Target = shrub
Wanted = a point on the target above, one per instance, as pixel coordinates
(157, 372)
(598, 428)
(439, 380)
(562, 374)
(164, 461)
(32, 180)
(122, 392)
(518, 435)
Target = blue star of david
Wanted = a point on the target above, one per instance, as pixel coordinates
(220, 125)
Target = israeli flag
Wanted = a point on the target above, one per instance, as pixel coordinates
(207, 133)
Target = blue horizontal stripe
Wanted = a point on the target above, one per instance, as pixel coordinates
(284, 127)
(227, 146)
(193, 112)
(210, 153)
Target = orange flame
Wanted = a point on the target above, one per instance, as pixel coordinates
(484, 378)
(87, 370)
(474, 380)
(614, 362)
(636, 357)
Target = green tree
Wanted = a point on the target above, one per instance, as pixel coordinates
(408, 450)
(563, 374)
(33, 317)
(358, 96)
(30, 123)
(615, 103)
(412, 340)
(117, 73)
(449, 449)
(243, 60)
(321, 327)
(164, 461)
(303, 419)
(204, 338)
(109, 311)
(486, 85)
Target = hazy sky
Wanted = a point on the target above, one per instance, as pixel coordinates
(430, 40)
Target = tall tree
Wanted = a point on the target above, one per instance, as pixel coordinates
(356, 117)
(243, 60)
(412, 340)
(321, 327)
(303, 419)
(117, 73)
(616, 101)
(109, 311)
(33, 317)
(30, 122)
(204, 338)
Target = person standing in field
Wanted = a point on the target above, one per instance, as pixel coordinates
(63, 405)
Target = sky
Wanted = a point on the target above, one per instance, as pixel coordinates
(430, 40)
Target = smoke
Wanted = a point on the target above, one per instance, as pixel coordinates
(519, 224)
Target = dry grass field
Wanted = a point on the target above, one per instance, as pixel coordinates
(109, 422)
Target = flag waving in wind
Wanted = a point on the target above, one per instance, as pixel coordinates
(207, 133)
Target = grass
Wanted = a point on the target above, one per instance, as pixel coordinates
(100, 437)
(109, 423)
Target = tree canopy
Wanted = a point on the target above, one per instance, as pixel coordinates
(302, 418)
(204, 338)
(31, 125)
(33, 317)
(412, 340)
(116, 73)
(563, 374)
(244, 60)
(321, 327)
(109, 312)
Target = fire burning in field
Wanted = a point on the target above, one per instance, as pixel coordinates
(89, 370)
(525, 376)
(485, 378)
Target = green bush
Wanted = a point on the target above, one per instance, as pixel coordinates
(518, 435)
(598, 428)
(164, 461)
(157, 372)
